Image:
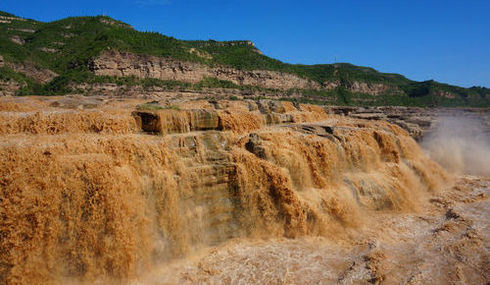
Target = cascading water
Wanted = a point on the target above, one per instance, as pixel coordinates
(106, 194)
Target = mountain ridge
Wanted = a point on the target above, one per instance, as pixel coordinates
(64, 50)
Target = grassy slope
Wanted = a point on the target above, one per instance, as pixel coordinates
(77, 39)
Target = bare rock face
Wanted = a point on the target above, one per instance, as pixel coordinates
(416, 121)
(114, 23)
(259, 113)
(176, 92)
(113, 63)
(203, 54)
(123, 64)
(358, 87)
(48, 50)
(177, 121)
(367, 88)
(41, 75)
(8, 88)
(8, 19)
(447, 94)
(31, 31)
(329, 85)
(254, 145)
(17, 39)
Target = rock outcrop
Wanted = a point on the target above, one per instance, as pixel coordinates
(9, 87)
(170, 93)
(416, 120)
(358, 87)
(256, 115)
(114, 63)
(29, 69)
(9, 19)
(42, 75)
(17, 39)
(367, 88)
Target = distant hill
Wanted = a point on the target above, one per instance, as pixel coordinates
(61, 56)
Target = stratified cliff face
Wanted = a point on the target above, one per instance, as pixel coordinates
(113, 63)
(106, 190)
(358, 87)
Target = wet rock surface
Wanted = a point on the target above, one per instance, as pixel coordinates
(417, 121)
(445, 243)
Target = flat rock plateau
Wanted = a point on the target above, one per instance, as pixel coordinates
(102, 190)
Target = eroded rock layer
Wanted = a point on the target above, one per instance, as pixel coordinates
(417, 121)
(113, 63)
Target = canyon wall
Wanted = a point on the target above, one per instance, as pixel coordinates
(103, 192)
(119, 64)
(113, 63)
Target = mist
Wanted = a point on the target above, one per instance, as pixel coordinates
(460, 143)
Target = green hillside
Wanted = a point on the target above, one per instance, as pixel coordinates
(67, 45)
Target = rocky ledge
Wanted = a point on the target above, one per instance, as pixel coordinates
(417, 121)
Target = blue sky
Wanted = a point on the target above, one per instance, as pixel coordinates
(448, 41)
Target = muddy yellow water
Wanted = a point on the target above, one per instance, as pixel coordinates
(98, 190)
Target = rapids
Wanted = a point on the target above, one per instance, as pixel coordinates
(108, 192)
